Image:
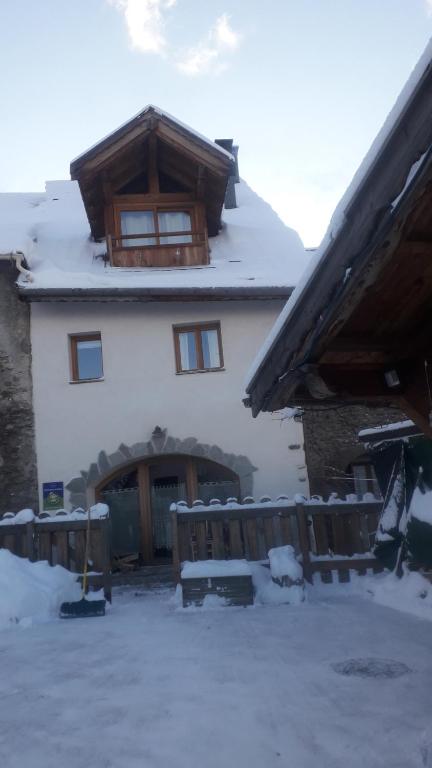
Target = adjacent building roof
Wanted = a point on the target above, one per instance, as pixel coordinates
(393, 431)
(371, 264)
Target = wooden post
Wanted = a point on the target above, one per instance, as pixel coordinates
(191, 481)
(175, 547)
(304, 541)
(30, 545)
(146, 533)
(109, 247)
(106, 555)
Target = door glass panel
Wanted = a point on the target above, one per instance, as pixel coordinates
(216, 482)
(122, 497)
(162, 496)
(167, 485)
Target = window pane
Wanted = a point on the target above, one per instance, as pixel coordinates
(137, 223)
(89, 359)
(174, 221)
(188, 352)
(210, 348)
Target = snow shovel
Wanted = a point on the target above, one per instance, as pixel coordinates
(83, 608)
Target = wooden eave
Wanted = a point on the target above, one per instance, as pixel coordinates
(343, 333)
(182, 155)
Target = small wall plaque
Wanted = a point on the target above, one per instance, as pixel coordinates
(53, 496)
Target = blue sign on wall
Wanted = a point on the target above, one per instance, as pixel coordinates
(53, 496)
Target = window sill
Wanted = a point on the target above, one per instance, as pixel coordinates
(200, 370)
(86, 381)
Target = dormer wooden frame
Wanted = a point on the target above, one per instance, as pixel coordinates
(195, 253)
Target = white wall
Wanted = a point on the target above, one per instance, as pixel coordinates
(141, 389)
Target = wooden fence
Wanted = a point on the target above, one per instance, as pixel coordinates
(329, 537)
(62, 542)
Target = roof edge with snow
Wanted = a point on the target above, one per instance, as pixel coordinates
(154, 294)
(366, 211)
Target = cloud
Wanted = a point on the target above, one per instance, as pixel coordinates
(209, 54)
(145, 22)
(428, 4)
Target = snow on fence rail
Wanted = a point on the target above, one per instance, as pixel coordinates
(337, 535)
(60, 539)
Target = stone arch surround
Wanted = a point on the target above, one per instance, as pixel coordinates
(160, 444)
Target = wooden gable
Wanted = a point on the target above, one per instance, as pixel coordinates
(152, 143)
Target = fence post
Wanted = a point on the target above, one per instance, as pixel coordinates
(30, 542)
(175, 547)
(304, 541)
(106, 557)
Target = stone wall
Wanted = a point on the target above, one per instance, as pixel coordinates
(331, 444)
(18, 477)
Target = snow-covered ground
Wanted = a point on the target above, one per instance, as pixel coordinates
(152, 685)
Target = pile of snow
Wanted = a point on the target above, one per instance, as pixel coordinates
(265, 502)
(421, 505)
(32, 591)
(216, 505)
(97, 512)
(412, 593)
(21, 517)
(283, 562)
(269, 593)
(203, 569)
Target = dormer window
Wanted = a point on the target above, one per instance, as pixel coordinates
(152, 231)
(155, 190)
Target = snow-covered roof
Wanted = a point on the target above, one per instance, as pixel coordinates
(386, 428)
(254, 249)
(152, 108)
(393, 431)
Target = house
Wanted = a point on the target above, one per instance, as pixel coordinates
(357, 329)
(155, 275)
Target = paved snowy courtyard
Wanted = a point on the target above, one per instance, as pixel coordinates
(152, 685)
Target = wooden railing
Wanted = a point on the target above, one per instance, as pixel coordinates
(62, 542)
(327, 536)
(171, 254)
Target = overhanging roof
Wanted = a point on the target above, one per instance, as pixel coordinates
(382, 226)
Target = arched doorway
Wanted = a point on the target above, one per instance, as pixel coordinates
(139, 497)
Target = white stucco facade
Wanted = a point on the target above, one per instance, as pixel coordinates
(141, 389)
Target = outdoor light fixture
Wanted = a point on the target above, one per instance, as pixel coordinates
(392, 379)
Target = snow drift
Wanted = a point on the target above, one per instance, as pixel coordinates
(32, 591)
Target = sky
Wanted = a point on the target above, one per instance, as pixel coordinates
(302, 86)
